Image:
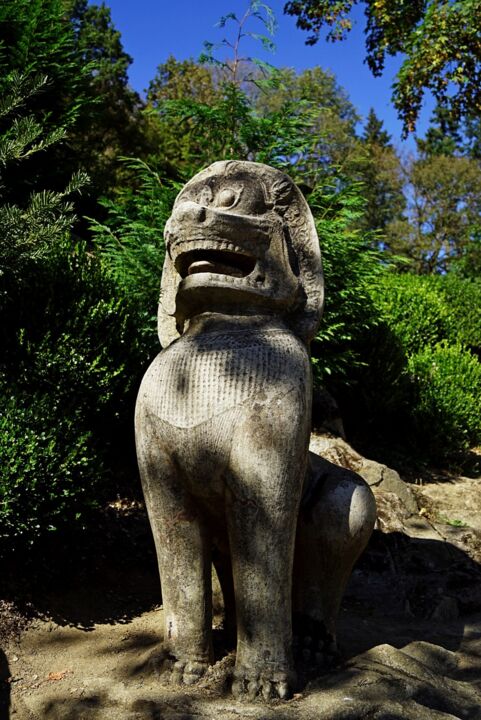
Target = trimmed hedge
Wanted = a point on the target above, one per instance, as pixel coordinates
(50, 467)
(415, 310)
(446, 411)
(419, 389)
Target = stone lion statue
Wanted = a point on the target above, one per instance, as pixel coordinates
(222, 428)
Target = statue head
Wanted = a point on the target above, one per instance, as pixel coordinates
(241, 240)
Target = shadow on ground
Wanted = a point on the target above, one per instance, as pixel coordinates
(107, 574)
(410, 631)
(4, 687)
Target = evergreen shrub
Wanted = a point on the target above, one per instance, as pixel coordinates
(414, 309)
(70, 371)
(446, 412)
(130, 244)
(420, 384)
(50, 467)
(463, 299)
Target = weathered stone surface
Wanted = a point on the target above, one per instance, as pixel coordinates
(385, 683)
(377, 475)
(222, 429)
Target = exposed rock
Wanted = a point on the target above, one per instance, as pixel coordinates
(454, 501)
(377, 475)
(386, 683)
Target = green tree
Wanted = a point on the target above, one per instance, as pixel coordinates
(234, 108)
(380, 172)
(39, 72)
(332, 145)
(179, 80)
(443, 136)
(225, 123)
(439, 39)
(76, 48)
(113, 124)
(442, 221)
(447, 135)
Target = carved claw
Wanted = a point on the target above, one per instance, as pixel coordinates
(238, 687)
(249, 688)
(188, 672)
(178, 672)
(283, 690)
(193, 672)
(313, 644)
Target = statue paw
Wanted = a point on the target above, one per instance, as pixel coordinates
(177, 671)
(267, 685)
(187, 672)
(313, 644)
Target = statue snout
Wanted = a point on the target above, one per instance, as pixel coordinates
(189, 212)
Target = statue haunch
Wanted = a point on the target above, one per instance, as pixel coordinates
(222, 428)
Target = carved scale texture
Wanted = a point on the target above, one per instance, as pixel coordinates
(197, 378)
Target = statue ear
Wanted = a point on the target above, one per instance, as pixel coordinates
(281, 193)
(290, 204)
(166, 322)
(302, 229)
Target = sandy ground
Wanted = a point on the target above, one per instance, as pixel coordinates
(410, 632)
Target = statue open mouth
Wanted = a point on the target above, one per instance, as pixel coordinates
(220, 262)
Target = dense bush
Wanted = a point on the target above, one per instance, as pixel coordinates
(73, 360)
(77, 330)
(130, 243)
(50, 469)
(463, 301)
(446, 411)
(417, 370)
(416, 311)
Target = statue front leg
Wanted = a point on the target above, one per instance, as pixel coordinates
(264, 488)
(183, 550)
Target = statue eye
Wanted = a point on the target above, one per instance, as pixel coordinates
(226, 198)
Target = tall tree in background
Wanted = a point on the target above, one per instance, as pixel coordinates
(442, 221)
(443, 136)
(223, 121)
(449, 136)
(380, 172)
(454, 148)
(113, 124)
(333, 145)
(177, 81)
(439, 38)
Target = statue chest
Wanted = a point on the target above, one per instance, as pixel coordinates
(200, 377)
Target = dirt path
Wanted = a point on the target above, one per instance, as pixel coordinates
(427, 669)
(410, 630)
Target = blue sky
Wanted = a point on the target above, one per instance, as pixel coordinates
(154, 29)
